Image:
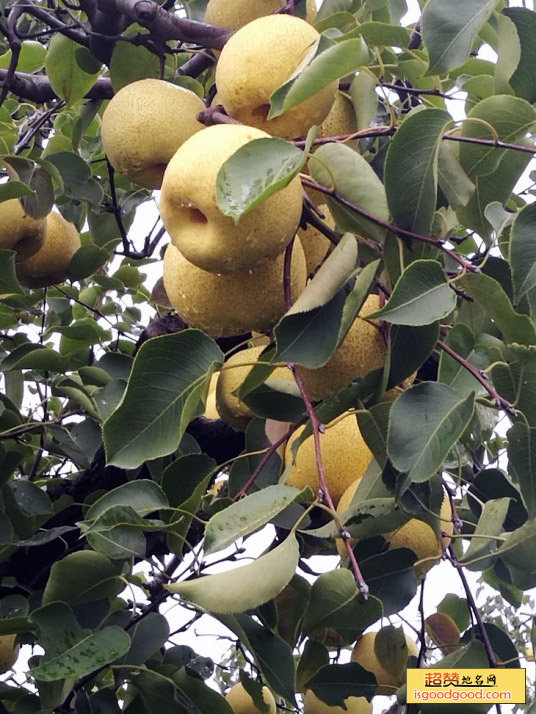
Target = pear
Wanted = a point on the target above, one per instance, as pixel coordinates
(143, 126)
(237, 13)
(232, 304)
(259, 58)
(19, 231)
(49, 265)
(199, 229)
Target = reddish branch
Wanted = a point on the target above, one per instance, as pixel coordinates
(440, 244)
(480, 377)
(474, 608)
(322, 485)
(270, 451)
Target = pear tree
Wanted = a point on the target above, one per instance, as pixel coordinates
(268, 274)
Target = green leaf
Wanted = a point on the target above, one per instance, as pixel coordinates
(325, 63)
(71, 651)
(523, 80)
(335, 602)
(197, 696)
(169, 375)
(496, 186)
(247, 515)
(64, 71)
(390, 577)
(490, 524)
(340, 167)
(382, 34)
(510, 118)
(314, 656)
(336, 682)
(9, 285)
(318, 321)
(147, 637)
(31, 58)
(522, 456)
(410, 348)
(364, 99)
(14, 189)
(87, 259)
(411, 169)
(421, 296)
(130, 63)
(489, 293)
(456, 608)
(426, 420)
(78, 182)
(246, 587)
(255, 171)
(519, 548)
(32, 356)
(515, 379)
(272, 654)
(451, 372)
(143, 496)
(448, 32)
(523, 251)
(453, 181)
(82, 577)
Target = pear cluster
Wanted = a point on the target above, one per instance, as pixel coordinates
(225, 277)
(43, 247)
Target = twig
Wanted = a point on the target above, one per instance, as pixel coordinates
(480, 377)
(324, 494)
(262, 463)
(440, 244)
(498, 144)
(472, 604)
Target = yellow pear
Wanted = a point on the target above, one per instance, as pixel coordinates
(354, 705)
(362, 350)
(314, 243)
(49, 265)
(235, 303)
(256, 60)
(237, 13)
(241, 702)
(340, 120)
(422, 539)
(206, 236)
(345, 457)
(364, 654)
(19, 231)
(9, 652)
(143, 126)
(233, 373)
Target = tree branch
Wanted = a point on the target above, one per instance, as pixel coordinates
(324, 494)
(164, 25)
(36, 87)
(480, 377)
(440, 244)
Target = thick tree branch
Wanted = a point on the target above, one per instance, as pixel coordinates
(164, 25)
(36, 87)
